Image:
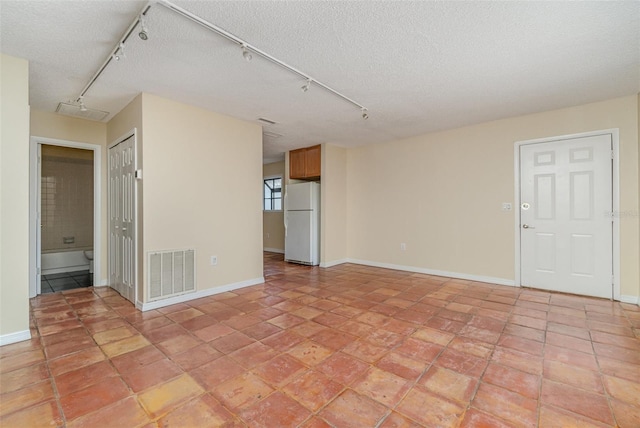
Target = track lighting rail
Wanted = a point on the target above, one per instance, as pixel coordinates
(247, 50)
(245, 45)
(113, 52)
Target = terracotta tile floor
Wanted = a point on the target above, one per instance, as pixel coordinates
(349, 346)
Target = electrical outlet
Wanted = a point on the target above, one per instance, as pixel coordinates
(506, 206)
(214, 260)
(403, 247)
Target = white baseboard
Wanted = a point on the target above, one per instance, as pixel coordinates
(197, 295)
(634, 300)
(273, 250)
(333, 263)
(478, 278)
(18, 336)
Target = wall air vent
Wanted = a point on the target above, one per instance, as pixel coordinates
(171, 273)
(267, 121)
(74, 111)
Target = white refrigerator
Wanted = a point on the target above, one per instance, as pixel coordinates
(302, 223)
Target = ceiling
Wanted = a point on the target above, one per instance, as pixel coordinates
(418, 66)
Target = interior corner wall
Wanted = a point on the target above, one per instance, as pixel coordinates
(441, 193)
(333, 205)
(273, 221)
(202, 179)
(14, 199)
(56, 126)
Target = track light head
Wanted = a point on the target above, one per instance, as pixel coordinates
(143, 29)
(365, 113)
(246, 54)
(82, 106)
(119, 53)
(306, 86)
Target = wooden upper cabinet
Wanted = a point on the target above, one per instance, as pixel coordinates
(297, 163)
(304, 164)
(312, 162)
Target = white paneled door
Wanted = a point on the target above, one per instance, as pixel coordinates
(566, 231)
(122, 205)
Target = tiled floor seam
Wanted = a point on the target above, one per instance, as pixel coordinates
(107, 359)
(51, 377)
(600, 377)
(539, 400)
(544, 346)
(489, 358)
(54, 385)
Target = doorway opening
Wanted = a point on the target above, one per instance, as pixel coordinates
(64, 215)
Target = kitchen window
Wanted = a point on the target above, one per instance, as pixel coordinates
(273, 194)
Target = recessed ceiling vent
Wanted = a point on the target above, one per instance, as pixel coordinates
(75, 111)
(267, 121)
(271, 134)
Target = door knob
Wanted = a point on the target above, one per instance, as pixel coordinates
(526, 226)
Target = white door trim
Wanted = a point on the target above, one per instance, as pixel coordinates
(614, 133)
(132, 133)
(34, 286)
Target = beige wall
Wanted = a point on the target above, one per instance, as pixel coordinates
(54, 125)
(202, 179)
(273, 221)
(189, 155)
(59, 127)
(128, 119)
(441, 193)
(14, 199)
(333, 218)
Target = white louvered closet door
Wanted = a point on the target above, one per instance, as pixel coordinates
(122, 203)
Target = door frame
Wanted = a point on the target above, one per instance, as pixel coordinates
(615, 182)
(133, 133)
(34, 195)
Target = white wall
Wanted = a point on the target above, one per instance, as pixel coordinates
(441, 193)
(14, 199)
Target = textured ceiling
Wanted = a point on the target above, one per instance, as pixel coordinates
(417, 66)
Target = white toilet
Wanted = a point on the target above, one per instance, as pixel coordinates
(89, 255)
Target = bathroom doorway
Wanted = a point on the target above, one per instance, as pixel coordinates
(64, 215)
